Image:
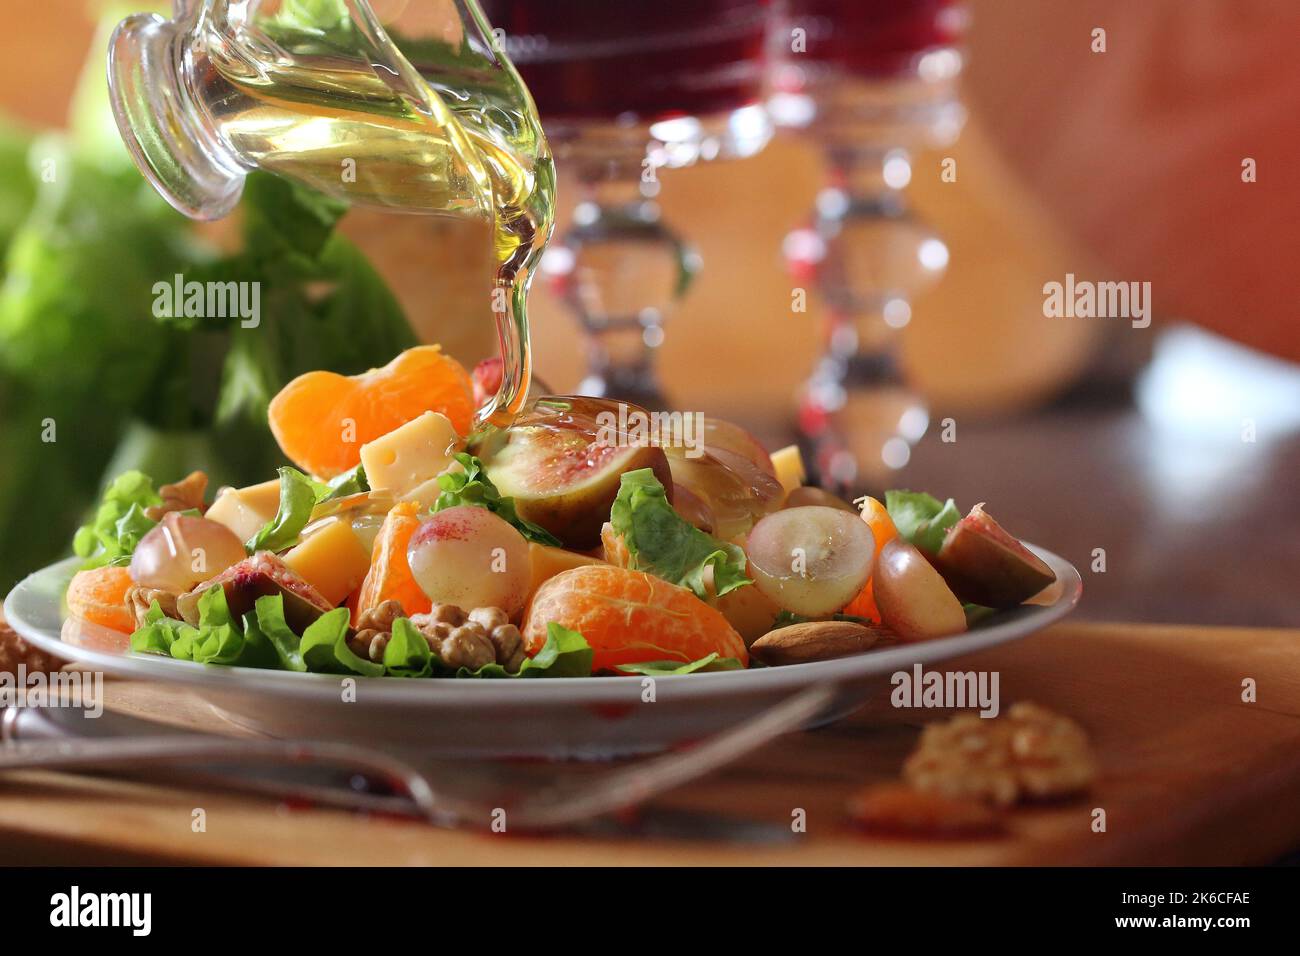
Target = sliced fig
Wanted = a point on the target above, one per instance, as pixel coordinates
(561, 462)
(728, 436)
(983, 564)
(735, 491)
(261, 575)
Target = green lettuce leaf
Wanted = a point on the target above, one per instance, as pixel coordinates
(666, 545)
(119, 523)
(566, 653)
(324, 647)
(298, 496)
(711, 662)
(217, 640)
(407, 653)
(920, 518)
(159, 633)
(352, 482)
(269, 611)
(473, 487)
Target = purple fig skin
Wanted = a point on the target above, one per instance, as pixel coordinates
(985, 565)
(261, 575)
(575, 510)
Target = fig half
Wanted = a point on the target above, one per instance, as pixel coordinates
(983, 564)
(562, 460)
(257, 576)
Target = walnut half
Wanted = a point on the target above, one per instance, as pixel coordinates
(15, 651)
(1030, 753)
(184, 495)
(140, 599)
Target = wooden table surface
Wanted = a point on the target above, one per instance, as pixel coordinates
(1190, 774)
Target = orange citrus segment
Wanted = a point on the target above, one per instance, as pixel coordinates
(321, 419)
(629, 616)
(882, 527)
(389, 577)
(99, 596)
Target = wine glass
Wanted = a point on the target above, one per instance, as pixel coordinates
(625, 89)
(868, 81)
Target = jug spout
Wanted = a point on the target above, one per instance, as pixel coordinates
(421, 115)
(170, 138)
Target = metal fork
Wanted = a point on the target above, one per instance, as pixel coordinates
(551, 806)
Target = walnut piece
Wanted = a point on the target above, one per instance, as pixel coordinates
(483, 636)
(375, 629)
(139, 600)
(15, 651)
(467, 646)
(184, 495)
(1030, 753)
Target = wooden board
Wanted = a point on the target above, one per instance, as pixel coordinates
(1190, 775)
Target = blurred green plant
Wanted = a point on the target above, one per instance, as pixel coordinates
(92, 384)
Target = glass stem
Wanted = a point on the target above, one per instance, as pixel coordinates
(616, 256)
(858, 415)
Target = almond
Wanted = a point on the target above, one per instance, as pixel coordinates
(815, 641)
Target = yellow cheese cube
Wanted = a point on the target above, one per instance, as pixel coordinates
(245, 510)
(331, 559)
(410, 456)
(790, 471)
(548, 562)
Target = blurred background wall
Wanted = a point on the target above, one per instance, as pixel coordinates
(1054, 176)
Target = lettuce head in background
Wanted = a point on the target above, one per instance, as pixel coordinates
(92, 382)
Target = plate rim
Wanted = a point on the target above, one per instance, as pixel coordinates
(388, 691)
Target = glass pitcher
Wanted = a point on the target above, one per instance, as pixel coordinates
(404, 106)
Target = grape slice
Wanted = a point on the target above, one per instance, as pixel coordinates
(183, 551)
(811, 560)
(469, 557)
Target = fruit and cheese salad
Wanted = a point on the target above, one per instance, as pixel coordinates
(570, 544)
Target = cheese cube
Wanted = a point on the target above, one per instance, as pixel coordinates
(245, 510)
(548, 562)
(410, 456)
(331, 559)
(790, 471)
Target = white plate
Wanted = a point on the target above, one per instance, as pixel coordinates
(555, 717)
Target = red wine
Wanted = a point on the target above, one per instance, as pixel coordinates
(652, 59)
(870, 38)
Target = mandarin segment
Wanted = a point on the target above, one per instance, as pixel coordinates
(629, 616)
(882, 527)
(389, 577)
(321, 419)
(98, 595)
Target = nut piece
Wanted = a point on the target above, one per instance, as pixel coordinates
(509, 646)
(184, 495)
(1031, 753)
(374, 629)
(815, 641)
(140, 599)
(467, 646)
(483, 636)
(898, 810)
(15, 651)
